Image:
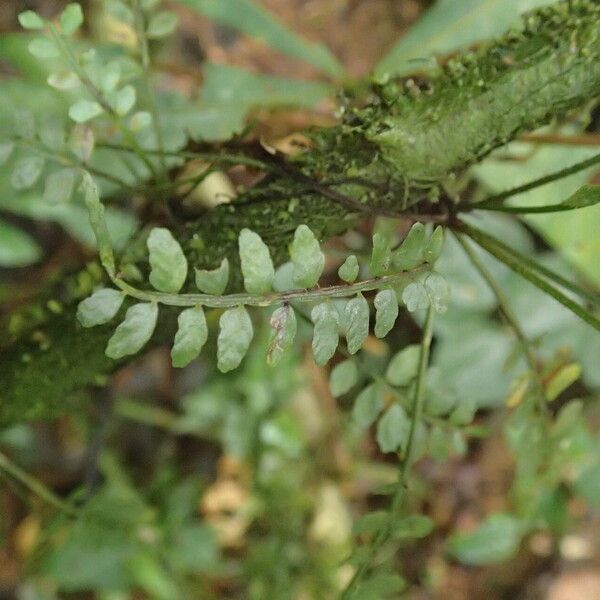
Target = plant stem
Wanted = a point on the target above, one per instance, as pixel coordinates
(383, 535)
(34, 485)
(496, 249)
(510, 318)
(233, 300)
(498, 199)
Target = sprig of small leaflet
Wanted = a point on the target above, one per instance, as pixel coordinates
(404, 272)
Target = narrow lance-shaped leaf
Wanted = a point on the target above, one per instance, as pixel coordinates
(213, 281)
(234, 338)
(356, 322)
(134, 332)
(256, 263)
(168, 262)
(100, 307)
(386, 312)
(307, 258)
(381, 255)
(191, 336)
(349, 270)
(412, 250)
(284, 326)
(343, 377)
(326, 332)
(98, 223)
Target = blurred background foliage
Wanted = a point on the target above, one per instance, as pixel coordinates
(199, 485)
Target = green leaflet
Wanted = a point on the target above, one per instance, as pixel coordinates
(284, 326)
(434, 246)
(134, 332)
(215, 281)
(586, 195)
(43, 48)
(256, 263)
(349, 270)
(402, 369)
(412, 250)
(438, 291)
(496, 539)
(98, 223)
(124, 100)
(307, 258)
(168, 262)
(234, 339)
(85, 110)
(392, 429)
(100, 307)
(326, 332)
(6, 150)
(60, 185)
(255, 21)
(31, 20)
(71, 18)
(17, 248)
(415, 296)
(381, 255)
(386, 307)
(368, 404)
(343, 378)
(162, 24)
(191, 336)
(356, 322)
(26, 172)
(413, 527)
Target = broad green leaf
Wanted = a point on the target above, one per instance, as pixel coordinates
(386, 312)
(415, 296)
(255, 21)
(404, 365)
(434, 246)
(284, 325)
(162, 24)
(452, 24)
(84, 110)
(98, 223)
(124, 100)
(64, 80)
(496, 539)
(349, 270)
(134, 332)
(226, 85)
(256, 263)
(17, 249)
(213, 281)
(412, 250)
(356, 322)
(191, 336)
(307, 258)
(234, 338)
(326, 332)
(438, 291)
(343, 378)
(413, 527)
(43, 48)
(168, 262)
(381, 255)
(562, 379)
(26, 172)
(60, 185)
(31, 20)
(71, 18)
(392, 429)
(368, 404)
(6, 150)
(371, 522)
(585, 196)
(100, 307)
